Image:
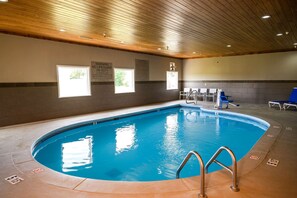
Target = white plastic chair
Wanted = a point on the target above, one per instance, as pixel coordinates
(212, 93)
(202, 93)
(184, 93)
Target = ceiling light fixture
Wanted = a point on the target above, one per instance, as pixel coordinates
(228, 45)
(295, 44)
(194, 52)
(266, 17)
(159, 48)
(287, 33)
(122, 42)
(279, 34)
(62, 30)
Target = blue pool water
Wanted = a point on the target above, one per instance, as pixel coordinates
(149, 146)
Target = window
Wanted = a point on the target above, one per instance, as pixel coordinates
(124, 80)
(172, 80)
(73, 81)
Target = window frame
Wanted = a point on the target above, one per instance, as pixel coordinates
(132, 80)
(88, 83)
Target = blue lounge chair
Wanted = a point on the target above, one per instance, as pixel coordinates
(291, 102)
(288, 105)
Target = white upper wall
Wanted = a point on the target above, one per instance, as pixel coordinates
(272, 66)
(24, 59)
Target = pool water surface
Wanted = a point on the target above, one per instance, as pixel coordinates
(148, 146)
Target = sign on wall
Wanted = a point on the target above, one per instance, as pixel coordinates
(101, 72)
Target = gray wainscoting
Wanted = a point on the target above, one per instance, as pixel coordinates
(258, 92)
(28, 102)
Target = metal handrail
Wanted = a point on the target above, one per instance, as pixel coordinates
(188, 96)
(202, 171)
(233, 172)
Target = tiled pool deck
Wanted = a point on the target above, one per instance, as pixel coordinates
(256, 179)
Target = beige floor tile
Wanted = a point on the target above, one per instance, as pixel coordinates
(256, 178)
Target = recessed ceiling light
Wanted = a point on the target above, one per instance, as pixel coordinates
(279, 34)
(287, 33)
(228, 45)
(159, 48)
(295, 44)
(265, 17)
(194, 52)
(62, 30)
(122, 42)
(3, 1)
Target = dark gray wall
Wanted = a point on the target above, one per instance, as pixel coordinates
(28, 102)
(258, 92)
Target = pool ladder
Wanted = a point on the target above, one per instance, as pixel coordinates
(195, 92)
(204, 169)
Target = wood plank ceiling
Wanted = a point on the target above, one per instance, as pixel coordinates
(175, 28)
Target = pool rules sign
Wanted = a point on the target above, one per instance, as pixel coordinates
(101, 72)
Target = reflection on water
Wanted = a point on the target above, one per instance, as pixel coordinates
(125, 138)
(172, 147)
(77, 154)
(217, 128)
(171, 142)
(191, 116)
(214, 119)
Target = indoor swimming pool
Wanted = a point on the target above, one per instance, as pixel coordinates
(149, 146)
